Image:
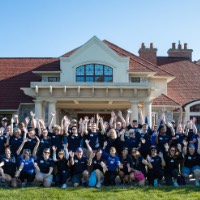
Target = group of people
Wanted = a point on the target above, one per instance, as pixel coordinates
(92, 152)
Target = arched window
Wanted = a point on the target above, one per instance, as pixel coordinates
(94, 73)
(195, 108)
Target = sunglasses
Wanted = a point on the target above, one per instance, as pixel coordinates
(47, 152)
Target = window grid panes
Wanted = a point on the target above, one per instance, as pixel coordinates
(94, 73)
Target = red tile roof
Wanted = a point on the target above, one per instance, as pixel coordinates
(164, 100)
(16, 73)
(163, 60)
(185, 87)
(138, 64)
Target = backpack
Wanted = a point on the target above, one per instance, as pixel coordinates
(93, 179)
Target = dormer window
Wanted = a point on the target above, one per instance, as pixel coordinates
(94, 73)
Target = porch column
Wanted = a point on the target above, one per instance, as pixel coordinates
(148, 112)
(134, 109)
(52, 109)
(38, 109)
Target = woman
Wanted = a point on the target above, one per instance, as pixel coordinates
(45, 142)
(15, 141)
(26, 169)
(191, 162)
(44, 168)
(125, 171)
(138, 167)
(8, 168)
(97, 165)
(172, 157)
(155, 167)
(113, 163)
(62, 166)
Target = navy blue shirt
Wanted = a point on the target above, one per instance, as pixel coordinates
(44, 165)
(79, 165)
(9, 166)
(74, 141)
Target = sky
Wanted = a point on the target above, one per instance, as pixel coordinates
(51, 28)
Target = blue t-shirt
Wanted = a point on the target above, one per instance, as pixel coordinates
(28, 165)
(112, 161)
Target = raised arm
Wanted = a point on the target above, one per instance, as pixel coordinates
(51, 120)
(36, 147)
(128, 115)
(33, 120)
(119, 114)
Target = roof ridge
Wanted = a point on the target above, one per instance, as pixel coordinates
(170, 99)
(139, 58)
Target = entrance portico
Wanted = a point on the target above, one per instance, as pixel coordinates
(90, 96)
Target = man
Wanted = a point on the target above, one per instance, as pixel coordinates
(79, 165)
(4, 124)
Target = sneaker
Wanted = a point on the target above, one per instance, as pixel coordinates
(155, 182)
(23, 185)
(85, 184)
(175, 184)
(196, 182)
(64, 186)
(98, 185)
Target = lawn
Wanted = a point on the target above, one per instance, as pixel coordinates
(109, 193)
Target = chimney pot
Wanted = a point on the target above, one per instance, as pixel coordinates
(151, 45)
(179, 46)
(142, 46)
(185, 45)
(173, 45)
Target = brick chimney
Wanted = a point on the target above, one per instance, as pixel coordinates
(179, 52)
(149, 54)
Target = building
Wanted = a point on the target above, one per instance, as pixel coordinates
(99, 77)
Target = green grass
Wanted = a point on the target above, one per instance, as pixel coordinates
(109, 193)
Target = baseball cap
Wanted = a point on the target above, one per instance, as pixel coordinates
(153, 147)
(4, 119)
(74, 121)
(191, 145)
(131, 131)
(79, 149)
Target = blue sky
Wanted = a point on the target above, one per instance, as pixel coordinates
(50, 28)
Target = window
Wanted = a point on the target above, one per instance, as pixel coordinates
(135, 80)
(50, 79)
(94, 73)
(195, 108)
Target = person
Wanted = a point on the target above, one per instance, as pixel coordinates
(162, 137)
(3, 143)
(145, 141)
(130, 141)
(44, 168)
(97, 165)
(4, 124)
(125, 171)
(172, 157)
(15, 141)
(45, 142)
(138, 166)
(26, 169)
(155, 167)
(8, 168)
(191, 162)
(62, 166)
(79, 164)
(113, 162)
(74, 139)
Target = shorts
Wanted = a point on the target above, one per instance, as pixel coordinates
(188, 170)
(77, 178)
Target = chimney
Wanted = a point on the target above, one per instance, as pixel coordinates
(179, 52)
(149, 54)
